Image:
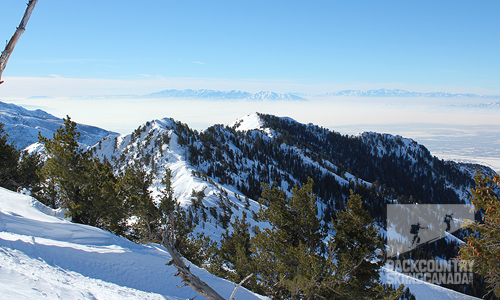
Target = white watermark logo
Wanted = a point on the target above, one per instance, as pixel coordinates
(431, 271)
(411, 226)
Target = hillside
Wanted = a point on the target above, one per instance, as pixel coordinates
(217, 173)
(44, 256)
(23, 126)
(265, 149)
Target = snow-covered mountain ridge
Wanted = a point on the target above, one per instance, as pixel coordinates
(237, 158)
(229, 163)
(23, 126)
(225, 95)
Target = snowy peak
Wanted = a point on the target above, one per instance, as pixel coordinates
(225, 95)
(248, 122)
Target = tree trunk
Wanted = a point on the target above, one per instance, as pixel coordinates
(13, 40)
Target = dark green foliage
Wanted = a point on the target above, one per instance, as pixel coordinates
(73, 180)
(235, 254)
(352, 257)
(29, 170)
(136, 196)
(289, 257)
(67, 168)
(483, 247)
(9, 158)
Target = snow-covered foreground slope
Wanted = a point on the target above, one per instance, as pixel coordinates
(44, 256)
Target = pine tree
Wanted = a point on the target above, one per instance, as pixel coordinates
(105, 209)
(136, 196)
(29, 169)
(9, 157)
(483, 245)
(67, 169)
(353, 263)
(288, 255)
(71, 178)
(235, 252)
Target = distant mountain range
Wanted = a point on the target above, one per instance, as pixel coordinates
(225, 95)
(235, 95)
(404, 93)
(272, 96)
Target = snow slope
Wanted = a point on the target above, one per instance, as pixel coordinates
(248, 122)
(44, 256)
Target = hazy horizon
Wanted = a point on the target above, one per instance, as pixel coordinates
(451, 128)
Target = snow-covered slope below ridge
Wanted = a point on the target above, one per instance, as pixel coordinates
(23, 126)
(156, 146)
(45, 256)
(162, 144)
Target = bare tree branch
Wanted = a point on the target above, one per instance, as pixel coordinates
(239, 285)
(187, 277)
(17, 34)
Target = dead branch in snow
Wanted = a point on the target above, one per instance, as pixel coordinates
(184, 272)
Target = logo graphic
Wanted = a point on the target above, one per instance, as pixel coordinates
(410, 226)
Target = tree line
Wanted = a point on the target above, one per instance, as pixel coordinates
(292, 258)
(288, 260)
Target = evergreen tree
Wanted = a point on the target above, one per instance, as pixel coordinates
(483, 245)
(235, 252)
(353, 263)
(105, 209)
(136, 196)
(29, 169)
(73, 180)
(9, 157)
(66, 170)
(288, 255)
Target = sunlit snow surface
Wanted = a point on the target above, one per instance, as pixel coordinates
(248, 122)
(45, 256)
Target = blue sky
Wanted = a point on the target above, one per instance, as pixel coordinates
(296, 46)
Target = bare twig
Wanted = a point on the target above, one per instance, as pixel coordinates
(239, 285)
(187, 277)
(17, 34)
